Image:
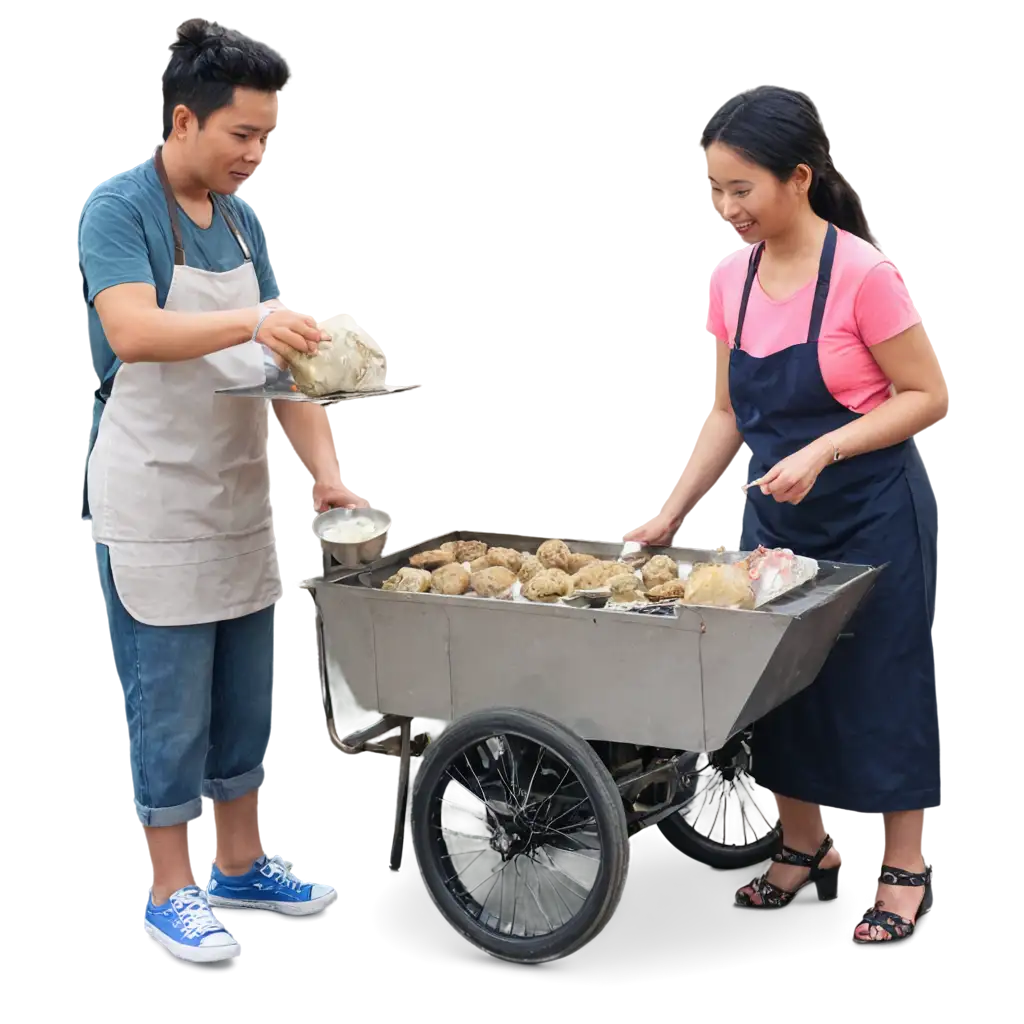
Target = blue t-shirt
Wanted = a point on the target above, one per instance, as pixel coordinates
(124, 237)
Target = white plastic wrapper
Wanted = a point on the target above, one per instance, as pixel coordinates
(350, 361)
(775, 571)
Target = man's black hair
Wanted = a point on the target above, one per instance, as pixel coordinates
(209, 62)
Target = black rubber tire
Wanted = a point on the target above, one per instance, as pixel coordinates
(681, 834)
(678, 831)
(610, 820)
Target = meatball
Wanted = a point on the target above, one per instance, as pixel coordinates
(548, 586)
(505, 557)
(450, 579)
(554, 554)
(576, 562)
(431, 559)
(660, 569)
(530, 567)
(495, 581)
(408, 581)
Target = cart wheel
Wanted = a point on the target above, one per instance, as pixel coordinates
(727, 821)
(520, 834)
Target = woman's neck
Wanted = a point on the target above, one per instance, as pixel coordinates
(187, 188)
(802, 240)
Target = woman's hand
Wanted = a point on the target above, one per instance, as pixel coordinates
(657, 533)
(791, 480)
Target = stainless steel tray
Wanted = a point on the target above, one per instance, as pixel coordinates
(279, 388)
(687, 680)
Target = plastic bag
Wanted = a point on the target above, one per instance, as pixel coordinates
(722, 586)
(350, 361)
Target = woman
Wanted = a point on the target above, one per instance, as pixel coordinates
(826, 373)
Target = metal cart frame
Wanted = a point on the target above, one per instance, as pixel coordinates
(646, 692)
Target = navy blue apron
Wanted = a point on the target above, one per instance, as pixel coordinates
(864, 736)
(100, 390)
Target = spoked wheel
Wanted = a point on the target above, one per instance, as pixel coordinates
(729, 821)
(520, 834)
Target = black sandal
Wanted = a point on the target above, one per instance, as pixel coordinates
(826, 879)
(895, 926)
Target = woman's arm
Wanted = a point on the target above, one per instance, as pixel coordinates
(716, 447)
(920, 399)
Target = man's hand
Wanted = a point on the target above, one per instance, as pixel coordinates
(286, 333)
(335, 495)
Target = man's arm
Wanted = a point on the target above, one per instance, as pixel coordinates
(307, 428)
(115, 260)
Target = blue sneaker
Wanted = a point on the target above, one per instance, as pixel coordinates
(269, 885)
(186, 927)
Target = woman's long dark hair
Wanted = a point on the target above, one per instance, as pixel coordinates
(779, 129)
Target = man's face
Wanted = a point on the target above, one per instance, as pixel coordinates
(230, 146)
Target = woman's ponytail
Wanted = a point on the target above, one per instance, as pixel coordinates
(834, 199)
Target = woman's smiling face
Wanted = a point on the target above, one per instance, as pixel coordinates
(750, 197)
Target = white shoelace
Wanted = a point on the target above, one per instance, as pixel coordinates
(196, 917)
(280, 870)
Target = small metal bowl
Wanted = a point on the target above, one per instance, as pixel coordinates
(353, 556)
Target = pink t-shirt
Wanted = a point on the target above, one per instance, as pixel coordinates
(867, 303)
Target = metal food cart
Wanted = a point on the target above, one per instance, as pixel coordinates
(572, 727)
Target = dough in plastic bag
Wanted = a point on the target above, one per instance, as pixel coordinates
(350, 361)
(723, 586)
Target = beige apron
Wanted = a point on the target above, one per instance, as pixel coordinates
(178, 484)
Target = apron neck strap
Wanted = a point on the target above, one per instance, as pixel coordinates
(828, 255)
(172, 211)
(221, 204)
(172, 207)
(821, 289)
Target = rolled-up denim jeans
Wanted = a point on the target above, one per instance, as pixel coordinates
(198, 701)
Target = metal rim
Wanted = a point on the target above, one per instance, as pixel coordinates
(727, 807)
(516, 836)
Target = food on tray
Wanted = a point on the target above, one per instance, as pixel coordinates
(506, 557)
(626, 590)
(465, 550)
(636, 560)
(599, 574)
(724, 586)
(350, 531)
(548, 586)
(660, 569)
(350, 360)
(554, 554)
(431, 559)
(554, 573)
(613, 569)
(764, 562)
(495, 581)
(672, 590)
(408, 581)
(576, 562)
(530, 567)
(450, 579)
(591, 577)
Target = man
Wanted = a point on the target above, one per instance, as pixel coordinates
(182, 301)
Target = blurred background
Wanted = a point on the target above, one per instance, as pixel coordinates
(514, 203)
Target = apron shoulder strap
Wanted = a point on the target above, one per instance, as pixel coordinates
(752, 265)
(172, 208)
(821, 289)
(222, 204)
